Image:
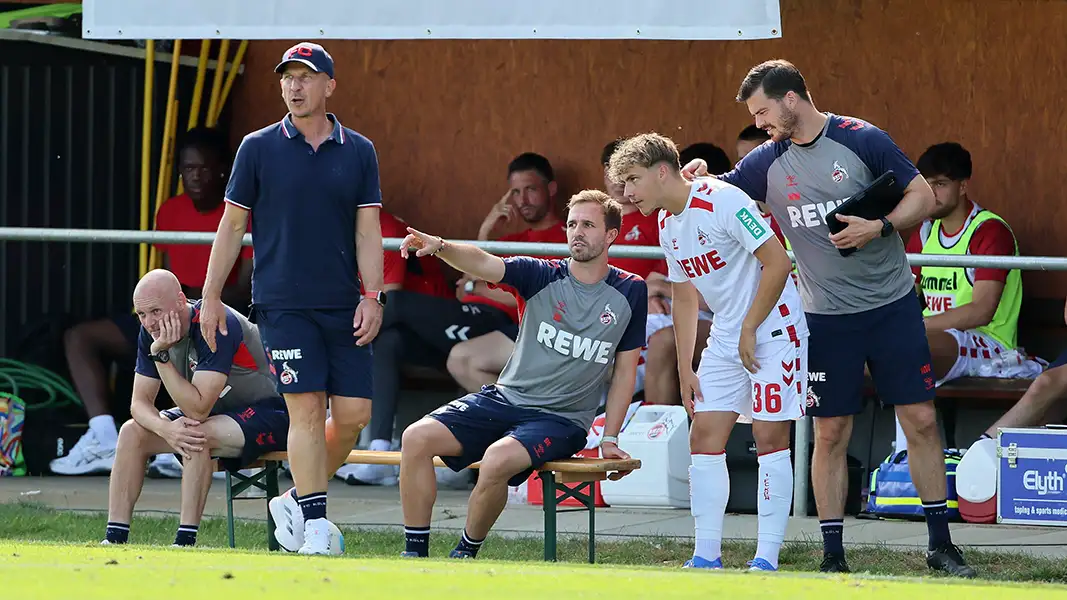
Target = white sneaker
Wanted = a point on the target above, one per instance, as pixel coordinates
(88, 456)
(322, 537)
(387, 475)
(288, 520)
(165, 466)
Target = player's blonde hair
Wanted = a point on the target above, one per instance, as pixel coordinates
(611, 207)
(645, 150)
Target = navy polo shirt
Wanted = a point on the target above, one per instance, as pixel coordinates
(304, 204)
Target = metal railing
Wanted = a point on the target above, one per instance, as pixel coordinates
(110, 236)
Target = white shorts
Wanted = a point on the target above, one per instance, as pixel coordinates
(982, 356)
(777, 392)
(653, 323)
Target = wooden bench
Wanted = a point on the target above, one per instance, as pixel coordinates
(554, 476)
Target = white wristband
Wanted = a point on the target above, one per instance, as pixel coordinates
(610, 439)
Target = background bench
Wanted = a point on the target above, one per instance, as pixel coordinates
(555, 477)
(1041, 332)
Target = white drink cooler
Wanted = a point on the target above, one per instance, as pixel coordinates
(659, 437)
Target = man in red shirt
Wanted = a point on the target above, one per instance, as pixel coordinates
(971, 315)
(201, 165)
(526, 213)
(92, 346)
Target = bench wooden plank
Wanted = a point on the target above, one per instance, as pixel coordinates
(557, 477)
(569, 465)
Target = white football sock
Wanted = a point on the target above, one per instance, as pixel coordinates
(709, 491)
(380, 445)
(104, 429)
(901, 441)
(774, 501)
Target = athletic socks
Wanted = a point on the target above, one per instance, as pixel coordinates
(466, 544)
(417, 540)
(186, 535)
(117, 533)
(313, 506)
(937, 523)
(774, 501)
(833, 532)
(105, 430)
(709, 491)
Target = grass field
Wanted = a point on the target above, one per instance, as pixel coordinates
(48, 553)
(41, 571)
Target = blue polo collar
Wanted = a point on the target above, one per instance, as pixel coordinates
(290, 131)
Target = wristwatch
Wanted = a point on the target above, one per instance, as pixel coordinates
(610, 439)
(379, 297)
(161, 357)
(887, 227)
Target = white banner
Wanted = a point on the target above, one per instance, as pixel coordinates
(431, 19)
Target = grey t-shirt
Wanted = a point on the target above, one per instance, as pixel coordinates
(239, 355)
(569, 334)
(801, 183)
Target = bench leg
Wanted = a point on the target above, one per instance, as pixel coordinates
(229, 510)
(548, 493)
(590, 503)
(271, 468)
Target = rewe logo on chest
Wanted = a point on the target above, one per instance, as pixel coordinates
(702, 265)
(576, 346)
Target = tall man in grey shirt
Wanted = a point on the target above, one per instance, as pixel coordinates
(861, 309)
(581, 333)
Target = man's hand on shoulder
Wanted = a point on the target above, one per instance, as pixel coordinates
(212, 320)
(170, 333)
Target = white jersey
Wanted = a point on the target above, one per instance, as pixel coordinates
(712, 243)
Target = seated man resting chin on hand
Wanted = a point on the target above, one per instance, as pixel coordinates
(227, 405)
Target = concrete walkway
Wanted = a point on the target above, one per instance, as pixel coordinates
(380, 507)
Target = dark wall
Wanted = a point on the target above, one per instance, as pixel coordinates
(70, 156)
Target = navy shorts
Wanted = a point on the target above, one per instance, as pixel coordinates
(890, 340)
(265, 425)
(1059, 362)
(481, 419)
(314, 350)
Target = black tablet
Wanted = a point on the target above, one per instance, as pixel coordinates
(872, 202)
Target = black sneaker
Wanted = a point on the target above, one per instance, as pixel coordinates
(834, 563)
(949, 559)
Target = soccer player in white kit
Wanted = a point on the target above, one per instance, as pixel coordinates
(755, 364)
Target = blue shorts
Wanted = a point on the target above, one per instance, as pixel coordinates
(890, 340)
(313, 350)
(481, 419)
(265, 425)
(1059, 362)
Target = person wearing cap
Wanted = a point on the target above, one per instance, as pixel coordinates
(312, 187)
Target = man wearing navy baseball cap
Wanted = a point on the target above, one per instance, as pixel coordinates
(312, 187)
(314, 56)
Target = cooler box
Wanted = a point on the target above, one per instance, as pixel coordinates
(1031, 476)
(976, 482)
(659, 437)
(535, 491)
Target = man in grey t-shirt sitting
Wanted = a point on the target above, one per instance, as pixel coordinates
(581, 332)
(227, 404)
